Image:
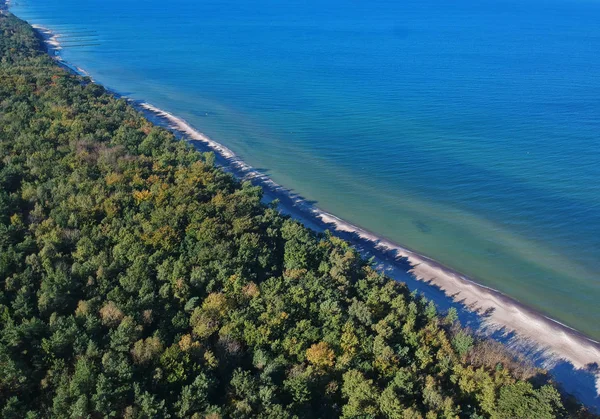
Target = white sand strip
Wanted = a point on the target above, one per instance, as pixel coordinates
(552, 339)
(555, 340)
(50, 38)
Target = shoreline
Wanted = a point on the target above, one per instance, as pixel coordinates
(488, 311)
(423, 267)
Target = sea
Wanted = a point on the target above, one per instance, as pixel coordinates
(465, 130)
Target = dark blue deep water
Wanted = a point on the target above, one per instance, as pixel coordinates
(468, 130)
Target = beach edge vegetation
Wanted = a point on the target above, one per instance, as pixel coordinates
(137, 279)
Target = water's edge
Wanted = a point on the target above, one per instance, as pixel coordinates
(570, 356)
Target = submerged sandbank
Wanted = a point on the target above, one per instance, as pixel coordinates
(547, 342)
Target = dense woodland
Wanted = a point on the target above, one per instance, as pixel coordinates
(139, 280)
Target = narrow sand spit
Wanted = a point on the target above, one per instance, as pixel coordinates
(549, 342)
(553, 340)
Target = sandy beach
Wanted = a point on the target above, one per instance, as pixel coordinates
(50, 38)
(572, 357)
(500, 315)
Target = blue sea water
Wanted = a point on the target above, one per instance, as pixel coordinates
(466, 130)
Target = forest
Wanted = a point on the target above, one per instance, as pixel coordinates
(140, 280)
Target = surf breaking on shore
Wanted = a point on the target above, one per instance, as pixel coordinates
(552, 341)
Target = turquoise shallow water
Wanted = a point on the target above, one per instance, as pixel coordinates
(466, 130)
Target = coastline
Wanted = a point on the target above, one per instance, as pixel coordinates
(507, 312)
(499, 315)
